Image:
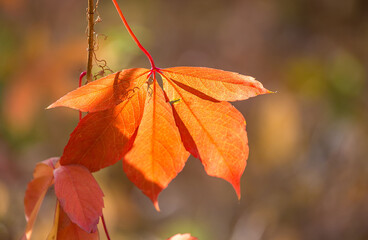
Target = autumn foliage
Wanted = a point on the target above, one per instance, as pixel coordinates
(152, 130)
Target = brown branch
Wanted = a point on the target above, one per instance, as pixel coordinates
(90, 32)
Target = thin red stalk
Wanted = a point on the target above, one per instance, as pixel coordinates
(80, 84)
(105, 228)
(153, 67)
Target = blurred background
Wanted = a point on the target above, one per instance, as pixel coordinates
(307, 173)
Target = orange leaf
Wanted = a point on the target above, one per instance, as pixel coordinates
(157, 155)
(212, 131)
(65, 229)
(43, 168)
(36, 191)
(210, 128)
(101, 138)
(218, 84)
(79, 196)
(104, 93)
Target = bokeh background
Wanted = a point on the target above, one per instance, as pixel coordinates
(307, 173)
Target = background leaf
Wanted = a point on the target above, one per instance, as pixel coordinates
(35, 193)
(185, 236)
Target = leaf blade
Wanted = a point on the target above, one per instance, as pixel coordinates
(101, 138)
(212, 131)
(66, 229)
(79, 195)
(35, 193)
(218, 84)
(105, 92)
(157, 155)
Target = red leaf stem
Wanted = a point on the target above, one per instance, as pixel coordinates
(153, 67)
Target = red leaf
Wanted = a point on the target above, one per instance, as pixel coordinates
(212, 131)
(79, 195)
(101, 138)
(65, 229)
(157, 155)
(35, 193)
(218, 84)
(104, 93)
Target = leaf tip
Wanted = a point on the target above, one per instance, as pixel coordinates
(238, 193)
(236, 186)
(155, 203)
(50, 106)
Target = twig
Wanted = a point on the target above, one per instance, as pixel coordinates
(80, 84)
(90, 32)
